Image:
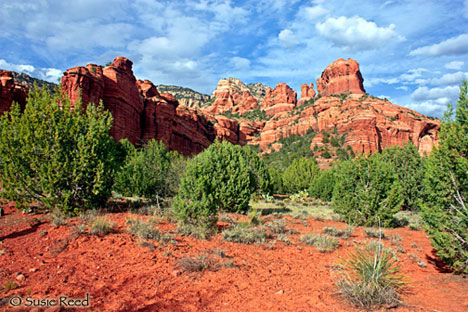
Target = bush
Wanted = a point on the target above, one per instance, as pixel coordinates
(56, 154)
(218, 178)
(260, 170)
(299, 175)
(276, 181)
(371, 278)
(149, 171)
(101, 225)
(323, 243)
(409, 167)
(366, 190)
(446, 184)
(322, 187)
(243, 233)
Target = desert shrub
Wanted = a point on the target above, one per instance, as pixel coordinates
(371, 278)
(322, 186)
(333, 231)
(446, 184)
(149, 171)
(101, 225)
(375, 232)
(276, 180)
(199, 263)
(243, 233)
(146, 231)
(409, 167)
(59, 155)
(324, 243)
(218, 178)
(366, 190)
(300, 174)
(261, 172)
(199, 231)
(278, 227)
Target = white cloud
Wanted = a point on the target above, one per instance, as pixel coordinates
(450, 79)
(240, 63)
(357, 34)
(412, 74)
(312, 13)
(440, 95)
(48, 74)
(404, 88)
(21, 68)
(370, 82)
(455, 64)
(287, 38)
(453, 46)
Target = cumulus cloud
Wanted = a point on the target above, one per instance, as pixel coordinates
(453, 46)
(356, 34)
(240, 63)
(413, 74)
(312, 13)
(287, 38)
(370, 82)
(454, 64)
(441, 95)
(47, 74)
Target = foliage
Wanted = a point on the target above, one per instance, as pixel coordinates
(294, 147)
(149, 171)
(218, 178)
(409, 166)
(101, 225)
(333, 231)
(371, 278)
(323, 243)
(446, 184)
(299, 175)
(276, 180)
(260, 170)
(243, 233)
(322, 186)
(59, 155)
(367, 189)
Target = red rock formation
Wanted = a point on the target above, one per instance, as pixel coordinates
(11, 91)
(341, 77)
(371, 124)
(232, 95)
(280, 99)
(86, 83)
(307, 93)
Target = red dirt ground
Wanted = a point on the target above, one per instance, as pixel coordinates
(120, 275)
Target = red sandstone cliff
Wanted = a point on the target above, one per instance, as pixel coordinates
(142, 113)
(11, 91)
(341, 77)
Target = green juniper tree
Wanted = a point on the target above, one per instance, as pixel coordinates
(56, 154)
(444, 209)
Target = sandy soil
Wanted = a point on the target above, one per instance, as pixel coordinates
(118, 274)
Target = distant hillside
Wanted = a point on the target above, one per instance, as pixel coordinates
(29, 81)
(186, 97)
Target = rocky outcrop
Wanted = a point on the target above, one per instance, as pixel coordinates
(11, 91)
(141, 112)
(307, 93)
(85, 83)
(233, 96)
(341, 77)
(185, 96)
(280, 99)
(370, 124)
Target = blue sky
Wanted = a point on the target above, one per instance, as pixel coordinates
(415, 53)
